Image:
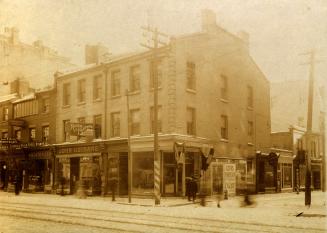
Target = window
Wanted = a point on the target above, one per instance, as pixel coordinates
(32, 134)
(152, 120)
(4, 135)
(250, 171)
(18, 134)
(81, 90)
(190, 75)
(250, 96)
(115, 83)
(135, 121)
(115, 124)
(80, 120)
(97, 126)
(286, 175)
(224, 127)
(45, 134)
(190, 121)
(134, 78)
(250, 130)
(159, 74)
(5, 114)
(313, 149)
(45, 105)
(97, 87)
(299, 144)
(224, 87)
(66, 125)
(66, 94)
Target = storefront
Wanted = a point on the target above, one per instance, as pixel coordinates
(266, 172)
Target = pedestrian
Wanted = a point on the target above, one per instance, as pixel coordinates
(193, 188)
(17, 184)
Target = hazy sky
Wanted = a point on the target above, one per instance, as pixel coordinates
(279, 30)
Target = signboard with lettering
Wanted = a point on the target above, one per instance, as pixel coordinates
(229, 178)
(79, 129)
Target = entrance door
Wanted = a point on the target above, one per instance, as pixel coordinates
(169, 180)
(123, 175)
(74, 174)
(316, 179)
(261, 176)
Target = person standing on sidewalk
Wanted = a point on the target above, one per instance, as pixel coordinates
(193, 188)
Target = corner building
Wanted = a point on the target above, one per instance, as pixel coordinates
(213, 109)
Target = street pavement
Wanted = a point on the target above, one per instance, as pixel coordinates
(53, 213)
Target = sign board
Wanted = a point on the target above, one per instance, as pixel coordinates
(78, 129)
(229, 178)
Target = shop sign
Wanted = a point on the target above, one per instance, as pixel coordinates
(46, 154)
(229, 178)
(79, 149)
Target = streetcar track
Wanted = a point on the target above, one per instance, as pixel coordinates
(166, 218)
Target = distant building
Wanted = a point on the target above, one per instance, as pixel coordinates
(211, 96)
(35, 63)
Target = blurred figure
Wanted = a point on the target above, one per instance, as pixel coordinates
(188, 181)
(17, 183)
(193, 188)
(248, 200)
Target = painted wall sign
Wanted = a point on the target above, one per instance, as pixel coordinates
(229, 178)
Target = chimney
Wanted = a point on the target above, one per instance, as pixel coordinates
(95, 54)
(245, 37)
(208, 18)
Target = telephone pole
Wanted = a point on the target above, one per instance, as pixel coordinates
(154, 73)
(129, 159)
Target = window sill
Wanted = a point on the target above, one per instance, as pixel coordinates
(152, 88)
(250, 108)
(224, 100)
(97, 100)
(191, 91)
(81, 103)
(134, 93)
(66, 106)
(115, 96)
(250, 144)
(224, 140)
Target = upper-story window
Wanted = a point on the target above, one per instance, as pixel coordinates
(97, 126)
(97, 87)
(26, 108)
(45, 134)
(224, 127)
(159, 74)
(115, 83)
(250, 96)
(115, 124)
(135, 121)
(313, 149)
(45, 105)
(299, 144)
(5, 114)
(81, 91)
(224, 87)
(32, 134)
(250, 130)
(159, 127)
(190, 121)
(190, 76)
(134, 78)
(66, 94)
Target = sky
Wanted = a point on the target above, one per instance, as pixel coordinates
(280, 30)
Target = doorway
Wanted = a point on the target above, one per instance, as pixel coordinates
(74, 174)
(123, 174)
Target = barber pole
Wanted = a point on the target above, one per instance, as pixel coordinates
(157, 182)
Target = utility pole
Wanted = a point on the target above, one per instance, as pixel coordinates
(154, 72)
(129, 166)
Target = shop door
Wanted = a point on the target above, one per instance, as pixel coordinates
(123, 175)
(169, 180)
(261, 176)
(74, 174)
(316, 179)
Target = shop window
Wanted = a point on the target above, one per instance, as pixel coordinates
(224, 127)
(134, 78)
(135, 121)
(152, 120)
(66, 94)
(5, 114)
(115, 124)
(81, 92)
(143, 174)
(32, 134)
(250, 171)
(190, 76)
(97, 87)
(190, 121)
(115, 83)
(224, 87)
(4, 135)
(45, 134)
(287, 175)
(97, 126)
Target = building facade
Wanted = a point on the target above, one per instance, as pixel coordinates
(210, 112)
